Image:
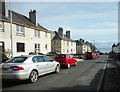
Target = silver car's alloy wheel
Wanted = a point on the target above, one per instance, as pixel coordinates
(57, 69)
(68, 66)
(33, 76)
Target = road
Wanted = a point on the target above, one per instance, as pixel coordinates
(85, 76)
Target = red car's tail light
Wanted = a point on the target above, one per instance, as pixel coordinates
(16, 68)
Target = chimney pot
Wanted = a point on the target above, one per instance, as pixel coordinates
(60, 31)
(68, 34)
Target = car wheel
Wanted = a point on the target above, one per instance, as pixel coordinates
(33, 76)
(76, 63)
(57, 69)
(68, 66)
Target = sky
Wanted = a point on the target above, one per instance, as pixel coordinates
(94, 21)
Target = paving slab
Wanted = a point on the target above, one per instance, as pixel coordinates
(112, 76)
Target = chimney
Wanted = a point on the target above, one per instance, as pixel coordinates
(80, 40)
(83, 41)
(4, 7)
(60, 31)
(32, 16)
(68, 34)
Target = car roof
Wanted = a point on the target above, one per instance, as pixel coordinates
(29, 55)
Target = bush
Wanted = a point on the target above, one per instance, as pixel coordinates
(3, 57)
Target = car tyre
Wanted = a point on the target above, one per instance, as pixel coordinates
(57, 69)
(33, 76)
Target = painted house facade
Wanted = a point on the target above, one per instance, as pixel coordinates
(63, 43)
(82, 47)
(21, 35)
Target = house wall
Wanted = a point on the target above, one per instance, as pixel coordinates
(63, 46)
(81, 49)
(5, 35)
(56, 45)
(28, 39)
(68, 47)
(78, 49)
(89, 48)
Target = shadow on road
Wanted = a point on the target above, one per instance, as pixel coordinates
(11, 83)
(112, 82)
(92, 87)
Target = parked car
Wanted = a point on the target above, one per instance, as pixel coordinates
(28, 67)
(53, 54)
(90, 55)
(33, 53)
(66, 60)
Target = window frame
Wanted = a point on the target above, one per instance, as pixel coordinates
(46, 34)
(20, 30)
(20, 48)
(37, 33)
(37, 47)
(2, 26)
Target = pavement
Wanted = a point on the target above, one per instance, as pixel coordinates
(112, 75)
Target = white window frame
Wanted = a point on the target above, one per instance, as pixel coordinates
(67, 43)
(37, 47)
(37, 33)
(20, 30)
(1, 26)
(46, 34)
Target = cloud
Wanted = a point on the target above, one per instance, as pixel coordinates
(95, 34)
(90, 21)
(64, 0)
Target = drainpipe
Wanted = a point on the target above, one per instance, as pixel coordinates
(11, 37)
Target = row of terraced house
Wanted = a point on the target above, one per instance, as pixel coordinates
(115, 51)
(21, 35)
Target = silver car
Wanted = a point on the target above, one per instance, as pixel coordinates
(28, 67)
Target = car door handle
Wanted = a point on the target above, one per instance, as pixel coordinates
(37, 65)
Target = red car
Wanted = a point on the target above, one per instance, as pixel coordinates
(66, 60)
(90, 55)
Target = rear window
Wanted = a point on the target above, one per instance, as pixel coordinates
(61, 56)
(17, 60)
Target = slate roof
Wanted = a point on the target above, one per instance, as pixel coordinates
(20, 19)
(59, 37)
(79, 43)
